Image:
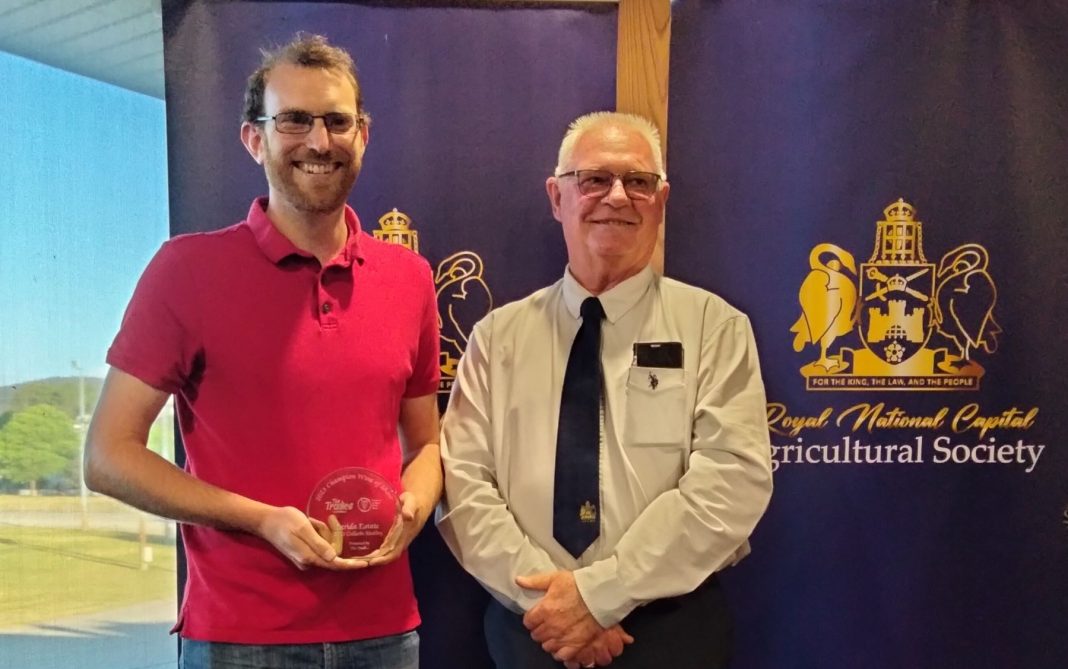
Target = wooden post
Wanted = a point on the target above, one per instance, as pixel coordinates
(642, 54)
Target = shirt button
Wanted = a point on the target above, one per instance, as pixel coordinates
(327, 307)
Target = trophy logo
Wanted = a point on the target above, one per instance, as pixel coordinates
(336, 505)
(395, 228)
(463, 300)
(918, 324)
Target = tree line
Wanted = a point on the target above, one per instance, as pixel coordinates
(39, 440)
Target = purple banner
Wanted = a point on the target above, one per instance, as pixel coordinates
(881, 187)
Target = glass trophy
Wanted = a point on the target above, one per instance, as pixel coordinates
(359, 506)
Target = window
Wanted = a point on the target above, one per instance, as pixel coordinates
(84, 580)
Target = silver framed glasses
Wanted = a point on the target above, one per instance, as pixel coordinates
(597, 183)
(301, 122)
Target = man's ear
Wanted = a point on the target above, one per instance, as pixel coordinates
(665, 190)
(552, 188)
(252, 138)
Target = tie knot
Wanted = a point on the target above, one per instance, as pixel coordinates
(591, 309)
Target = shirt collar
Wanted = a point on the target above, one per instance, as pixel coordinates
(616, 301)
(277, 246)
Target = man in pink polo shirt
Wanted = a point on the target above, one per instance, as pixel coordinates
(294, 345)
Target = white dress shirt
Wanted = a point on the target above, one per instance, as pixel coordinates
(685, 456)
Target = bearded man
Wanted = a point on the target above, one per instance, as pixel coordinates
(294, 345)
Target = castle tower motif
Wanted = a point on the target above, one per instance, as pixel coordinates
(899, 237)
(395, 228)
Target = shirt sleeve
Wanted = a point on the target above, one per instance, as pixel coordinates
(155, 342)
(689, 532)
(474, 518)
(426, 371)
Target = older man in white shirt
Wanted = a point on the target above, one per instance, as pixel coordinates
(606, 447)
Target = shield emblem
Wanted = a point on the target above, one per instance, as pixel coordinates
(895, 311)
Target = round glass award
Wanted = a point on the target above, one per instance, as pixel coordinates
(359, 507)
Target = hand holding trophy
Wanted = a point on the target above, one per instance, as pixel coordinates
(361, 510)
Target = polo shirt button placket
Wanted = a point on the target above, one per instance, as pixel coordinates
(327, 318)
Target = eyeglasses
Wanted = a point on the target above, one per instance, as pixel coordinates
(301, 122)
(597, 183)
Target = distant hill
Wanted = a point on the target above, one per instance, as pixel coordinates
(60, 392)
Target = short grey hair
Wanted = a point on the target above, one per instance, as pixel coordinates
(587, 122)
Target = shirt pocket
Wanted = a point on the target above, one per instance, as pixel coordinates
(656, 407)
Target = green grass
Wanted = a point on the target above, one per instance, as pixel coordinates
(48, 573)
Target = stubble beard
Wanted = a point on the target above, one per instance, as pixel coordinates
(328, 198)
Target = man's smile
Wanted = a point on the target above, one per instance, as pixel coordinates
(316, 168)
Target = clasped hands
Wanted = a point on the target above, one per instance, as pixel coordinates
(563, 625)
(309, 542)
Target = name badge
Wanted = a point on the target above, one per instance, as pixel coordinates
(664, 354)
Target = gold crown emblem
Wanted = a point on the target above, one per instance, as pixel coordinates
(588, 512)
(396, 229)
(394, 221)
(900, 211)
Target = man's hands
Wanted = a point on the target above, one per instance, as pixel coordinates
(308, 542)
(404, 530)
(564, 626)
(605, 648)
(305, 541)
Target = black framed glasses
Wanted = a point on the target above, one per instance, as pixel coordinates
(597, 183)
(301, 122)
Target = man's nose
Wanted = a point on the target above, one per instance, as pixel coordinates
(318, 137)
(616, 195)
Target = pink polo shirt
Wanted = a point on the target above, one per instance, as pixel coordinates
(283, 372)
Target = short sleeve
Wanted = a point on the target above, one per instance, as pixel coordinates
(156, 341)
(427, 370)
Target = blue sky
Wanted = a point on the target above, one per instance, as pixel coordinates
(83, 206)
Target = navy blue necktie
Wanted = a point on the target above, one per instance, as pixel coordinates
(576, 492)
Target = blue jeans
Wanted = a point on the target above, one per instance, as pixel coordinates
(389, 652)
